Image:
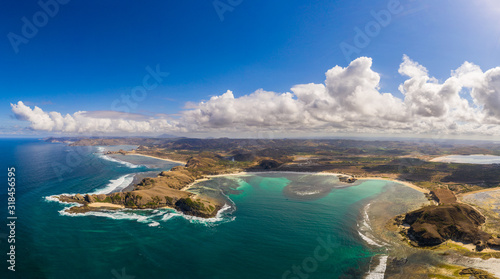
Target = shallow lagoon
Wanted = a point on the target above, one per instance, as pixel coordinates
(469, 159)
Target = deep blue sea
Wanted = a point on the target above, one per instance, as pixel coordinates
(273, 228)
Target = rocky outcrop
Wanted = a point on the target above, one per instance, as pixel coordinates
(179, 200)
(347, 179)
(79, 197)
(121, 152)
(196, 208)
(476, 273)
(268, 164)
(433, 225)
(494, 242)
(165, 190)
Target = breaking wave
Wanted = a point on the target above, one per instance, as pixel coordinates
(365, 230)
(100, 154)
(379, 271)
(116, 185)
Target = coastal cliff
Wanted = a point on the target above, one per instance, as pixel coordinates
(165, 190)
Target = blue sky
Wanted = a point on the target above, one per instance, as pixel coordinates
(91, 53)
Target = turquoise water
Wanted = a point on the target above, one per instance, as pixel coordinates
(269, 235)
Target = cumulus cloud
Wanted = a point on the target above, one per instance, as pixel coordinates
(349, 101)
(89, 122)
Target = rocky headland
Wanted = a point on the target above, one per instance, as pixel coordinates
(165, 190)
(448, 220)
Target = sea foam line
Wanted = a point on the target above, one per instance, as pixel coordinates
(101, 155)
(379, 271)
(307, 193)
(114, 185)
(218, 219)
(365, 230)
(157, 216)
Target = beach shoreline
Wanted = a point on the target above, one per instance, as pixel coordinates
(406, 183)
(242, 173)
(158, 158)
(105, 204)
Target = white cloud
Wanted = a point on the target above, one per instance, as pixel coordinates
(349, 101)
(89, 122)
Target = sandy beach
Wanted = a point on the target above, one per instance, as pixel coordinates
(158, 158)
(406, 183)
(208, 177)
(104, 204)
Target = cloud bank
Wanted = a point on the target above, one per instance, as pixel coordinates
(349, 101)
(83, 122)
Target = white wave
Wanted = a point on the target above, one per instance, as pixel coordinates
(100, 154)
(170, 215)
(369, 240)
(156, 216)
(117, 215)
(218, 219)
(115, 185)
(365, 230)
(306, 193)
(379, 271)
(68, 205)
(54, 198)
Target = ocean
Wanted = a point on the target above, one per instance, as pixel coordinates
(275, 225)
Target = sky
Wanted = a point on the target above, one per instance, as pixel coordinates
(242, 68)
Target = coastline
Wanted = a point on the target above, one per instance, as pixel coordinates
(158, 158)
(208, 177)
(241, 173)
(406, 183)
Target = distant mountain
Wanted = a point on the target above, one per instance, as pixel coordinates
(167, 136)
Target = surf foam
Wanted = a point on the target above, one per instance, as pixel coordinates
(100, 154)
(153, 219)
(365, 230)
(116, 185)
(379, 271)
